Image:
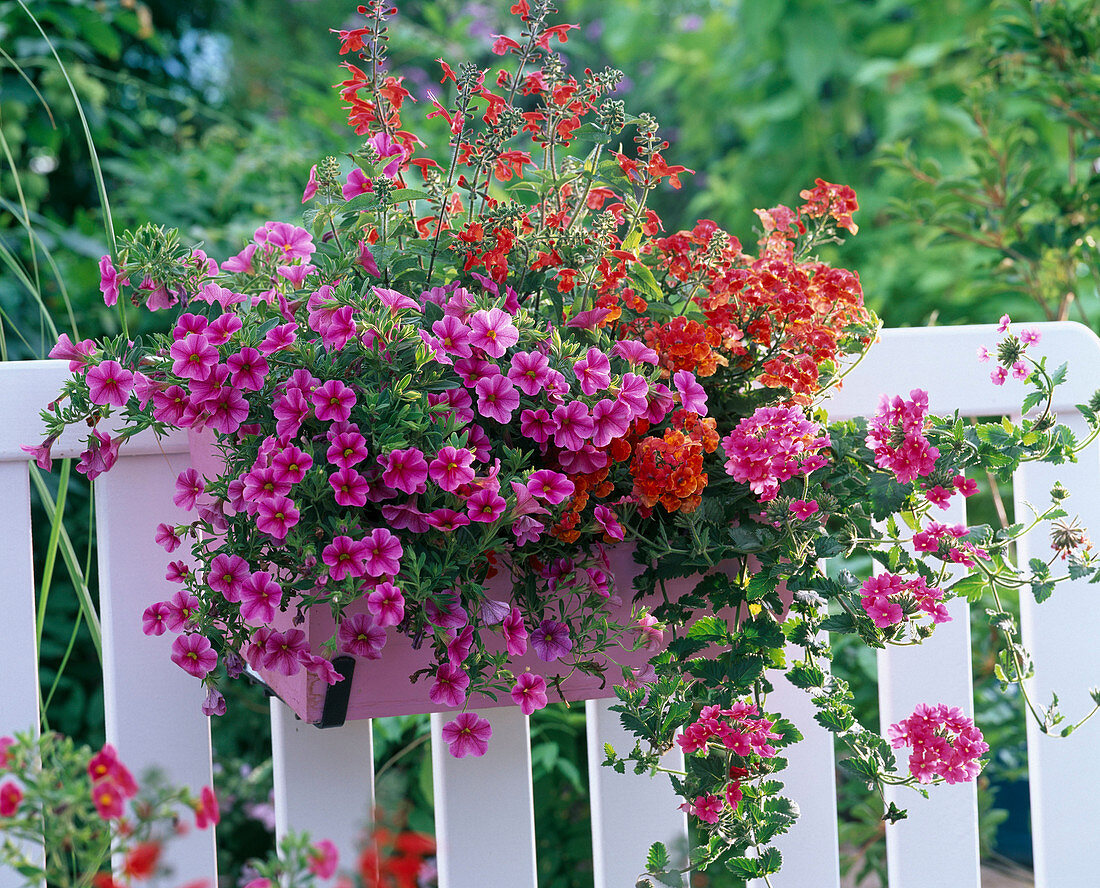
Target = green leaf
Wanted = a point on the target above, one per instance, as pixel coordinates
(657, 859)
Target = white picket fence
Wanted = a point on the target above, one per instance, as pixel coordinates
(483, 807)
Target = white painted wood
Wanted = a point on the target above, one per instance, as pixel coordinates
(19, 653)
(1062, 635)
(152, 707)
(811, 850)
(484, 807)
(936, 846)
(324, 779)
(629, 812)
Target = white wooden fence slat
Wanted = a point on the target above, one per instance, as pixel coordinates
(936, 846)
(19, 653)
(1061, 634)
(324, 780)
(811, 850)
(484, 807)
(152, 707)
(629, 812)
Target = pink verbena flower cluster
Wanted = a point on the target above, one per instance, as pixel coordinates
(945, 744)
(739, 729)
(896, 435)
(772, 446)
(885, 593)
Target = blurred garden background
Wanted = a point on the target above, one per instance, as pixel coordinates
(969, 129)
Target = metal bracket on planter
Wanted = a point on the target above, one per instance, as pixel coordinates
(335, 710)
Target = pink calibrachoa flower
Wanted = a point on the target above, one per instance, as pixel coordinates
(214, 703)
(945, 744)
(395, 300)
(493, 332)
(110, 383)
(76, 354)
(514, 632)
(485, 506)
(449, 688)
(635, 352)
(357, 183)
(109, 281)
(323, 859)
(194, 655)
(189, 486)
(283, 651)
(473, 369)
(260, 596)
(650, 632)
(153, 621)
(449, 613)
(554, 487)
(574, 425)
(10, 797)
(497, 398)
(537, 425)
(447, 520)
(551, 640)
(277, 516)
(247, 369)
(529, 371)
(610, 420)
(609, 523)
(344, 557)
(290, 465)
(349, 487)
(279, 339)
(387, 604)
(803, 509)
(529, 692)
(383, 555)
(451, 468)
(167, 538)
(347, 449)
(367, 261)
(311, 186)
(332, 401)
(467, 735)
(593, 371)
(453, 337)
(193, 356)
(386, 146)
(360, 636)
(289, 241)
(228, 574)
(404, 470)
(693, 397)
(458, 648)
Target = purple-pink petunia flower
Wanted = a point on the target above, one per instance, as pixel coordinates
(109, 281)
(289, 241)
(383, 555)
(109, 383)
(608, 522)
(493, 331)
(387, 604)
(515, 633)
(332, 401)
(279, 338)
(529, 692)
(593, 371)
(194, 655)
(449, 687)
(193, 356)
(536, 425)
(386, 146)
(367, 261)
(554, 487)
(497, 398)
(189, 485)
(635, 352)
(551, 640)
(277, 516)
(347, 449)
(247, 369)
(693, 397)
(357, 183)
(405, 470)
(610, 420)
(153, 621)
(349, 487)
(394, 300)
(529, 371)
(260, 596)
(76, 353)
(467, 735)
(447, 520)
(485, 506)
(361, 636)
(452, 468)
(283, 651)
(290, 465)
(228, 574)
(311, 186)
(574, 425)
(344, 557)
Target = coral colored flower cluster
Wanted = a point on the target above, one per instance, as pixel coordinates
(669, 470)
(945, 744)
(772, 446)
(741, 731)
(885, 593)
(896, 436)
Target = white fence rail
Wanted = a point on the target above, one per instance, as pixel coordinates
(324, 778)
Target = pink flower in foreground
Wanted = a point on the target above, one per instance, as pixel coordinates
(965, 486)
(593, 371)
(311, 185)
(193, 356)
(705, 807)
(692, 395)
(227, 575)
(497, 398)
(76, 354)
(551, 640)
(998, 376)
(467, 735)
(609, 523)
(360, 636)
(529, 371)
(404, 470)
(194, 655)
(260, 596)
(332, 402)
(529, 692)
(575, 425)
(323, 859)
(357, 183)
(945, 744)
(515, 633)
(554, 487)
(10, 797)
(349, 487)
(493, 332)
(383, 555)
(1029, 336)
(452, 468)
(154, 620)
(387, 604)
(344, 556)
(109, 281)
(189, 485)
(449, 688)
(1002, 326)
(1020, 370)
(277, 516)
(283, 651)
(485, 506)
(110, 383)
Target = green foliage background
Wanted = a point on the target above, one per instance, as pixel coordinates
(977, 198)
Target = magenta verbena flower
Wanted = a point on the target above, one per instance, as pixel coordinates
(772, 446)
(896, 436)
(946, 744)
